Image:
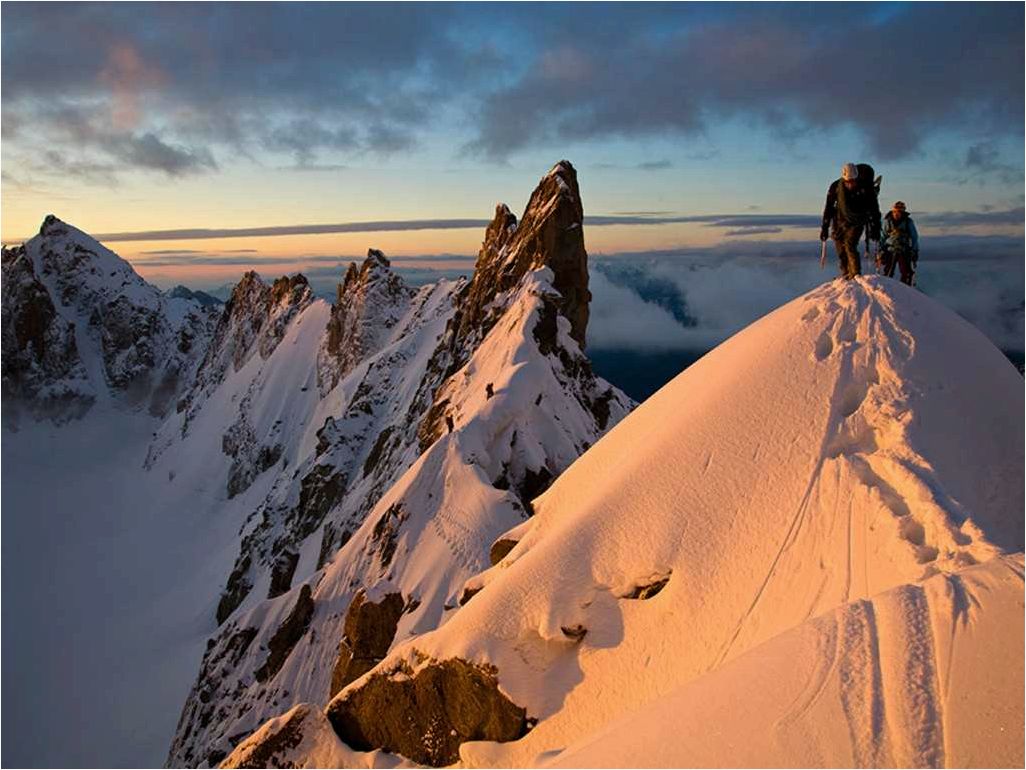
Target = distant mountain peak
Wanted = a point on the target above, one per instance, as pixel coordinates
(52, 226)
(91, 329)
(369, 302)
(378, 256)
(184, 292)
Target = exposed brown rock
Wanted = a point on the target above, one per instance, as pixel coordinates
(333, 537)
(288, 295)
(128, 335)
(374, 456)
(648, 590)
(368, 633)
(534, 483)
(273, 749)
(576, 633)
(468, 594)
(500, 548)
(551, 235)
(386, 531)
(320, 490)
(253, 319)
(427, 715)
(39, 347)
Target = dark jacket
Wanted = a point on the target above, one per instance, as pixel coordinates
(899, 234)
(846, 210)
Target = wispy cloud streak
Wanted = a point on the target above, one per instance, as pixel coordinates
(737, 222)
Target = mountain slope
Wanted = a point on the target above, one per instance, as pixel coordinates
(436, 415)
(81, 327)
(945, 690)
(857, 439)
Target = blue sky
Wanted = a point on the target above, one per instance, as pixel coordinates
(135, 118)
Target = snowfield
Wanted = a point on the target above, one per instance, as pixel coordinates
(920, 676)
(849, 458)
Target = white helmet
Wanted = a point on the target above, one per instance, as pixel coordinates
(849, 171)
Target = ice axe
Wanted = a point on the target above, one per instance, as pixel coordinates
(822, 255)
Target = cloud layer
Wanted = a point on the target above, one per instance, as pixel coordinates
(181, 89)
(696, 300)
(732, 225)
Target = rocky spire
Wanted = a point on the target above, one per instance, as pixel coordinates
(254, 318)
(550, 234)
(252, 322)
(370, 301)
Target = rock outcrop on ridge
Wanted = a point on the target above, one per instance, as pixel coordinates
(370, 301)
(550, 234)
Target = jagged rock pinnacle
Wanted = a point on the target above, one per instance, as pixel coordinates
(550, 234)
(368, 303)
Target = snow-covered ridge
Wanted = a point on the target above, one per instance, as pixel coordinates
(435, 420)
(856, 452)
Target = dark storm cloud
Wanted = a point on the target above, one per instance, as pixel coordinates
(177, 88)
(169, 85)
(923, 68)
